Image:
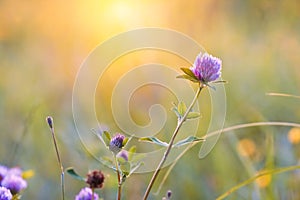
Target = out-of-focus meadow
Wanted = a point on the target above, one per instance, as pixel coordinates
(43, 43)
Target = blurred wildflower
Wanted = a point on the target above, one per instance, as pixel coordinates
(14, 183)
(5, 194)
(86, 194)
(95, 179)
(116, 143)
(246, 147)
(264, 180)
(206, 68)
(27, 174)
(294, 135)
(123, 154)
(15, 171)
(3, 172)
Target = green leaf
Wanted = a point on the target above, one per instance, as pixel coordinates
(181, 108)
(106, 138)
(125, 141)
(72, 172)
(125, 168)
(188, 140)
(107, 160)
(193, 115)
(153, 140)
(131, 151)
(188, 72)
(121, 160)
(107, 135)
(184, 76)
(221, 81)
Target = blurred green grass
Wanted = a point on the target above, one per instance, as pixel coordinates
(42, 45)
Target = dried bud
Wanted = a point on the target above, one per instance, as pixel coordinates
(95, 179)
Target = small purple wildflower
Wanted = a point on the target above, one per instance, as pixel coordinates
(207, 68)
(3, 172)
(14, 183)
(123, 154)
(116, 143)
(86, 194)
(5, 194)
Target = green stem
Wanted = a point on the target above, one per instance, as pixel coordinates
(93, 192)
(119, 178)
(164, 158)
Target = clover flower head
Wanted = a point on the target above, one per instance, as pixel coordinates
(14, 183)
(116, 143)
(95, 179)
(86, 194)
(207, 68)
(5, 194)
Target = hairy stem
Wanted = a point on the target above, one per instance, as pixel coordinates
(165, 156)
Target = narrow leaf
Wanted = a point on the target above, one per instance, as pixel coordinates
(106, 138)
(184, 76)
(125, 168)
(107, 135)
(72, 172)
(125, 141)
(181, 108)
(107, 160)
(188, 72)
(131, 151)
(221, 81)
(188, 140)
(193, 115)
(153, 140)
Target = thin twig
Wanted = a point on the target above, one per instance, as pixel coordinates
(164, 158)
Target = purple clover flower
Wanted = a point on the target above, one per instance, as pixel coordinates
(116, 143)
(5, 194)
(207, 68)
(14, 183)
(86, 194)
